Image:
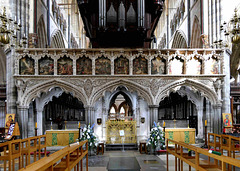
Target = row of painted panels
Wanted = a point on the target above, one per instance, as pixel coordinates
(121, 66)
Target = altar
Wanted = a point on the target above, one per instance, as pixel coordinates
(186, 135)
(61, 137)
(113, 134)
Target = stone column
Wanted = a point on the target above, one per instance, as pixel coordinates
(208, 117)
(10, 84)
(23, 121)
(217, 124)
(31, 126)
(89, 115)
(200, 118)
(39, 122)
(226, 108)
(153, 114)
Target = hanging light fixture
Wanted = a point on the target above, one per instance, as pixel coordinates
(232, 28)
(9, 30)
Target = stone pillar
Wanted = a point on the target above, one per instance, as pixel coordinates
(23, 121)
(217, 124)
(10, 86)
(200, 119)
(39, 122)
(153, 114)
(31, 126)
(89, 115)
(208, 117)
(226, 107)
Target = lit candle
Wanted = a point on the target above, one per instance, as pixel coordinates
(51, 123)
(205, 122)
(163, 124)
(79, 124)
(36, 125)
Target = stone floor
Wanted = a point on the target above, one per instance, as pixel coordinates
(146, 162)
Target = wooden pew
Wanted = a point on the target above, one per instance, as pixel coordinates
(29, 145)
(215, 144)
(69, 158)
(42, 144)
(11, 151)
(196, 162)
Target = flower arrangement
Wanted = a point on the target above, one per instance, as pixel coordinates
(156, 137)
(89, 135)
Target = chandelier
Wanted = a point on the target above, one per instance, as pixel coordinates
(9, 30)
(232, 28)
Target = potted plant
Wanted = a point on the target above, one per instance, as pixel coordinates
(89, 135)
(156, 138)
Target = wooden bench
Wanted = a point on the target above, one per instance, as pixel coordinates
(69, 158)
(195, 161)
(11, 151)
(29, 145)
(42, 144)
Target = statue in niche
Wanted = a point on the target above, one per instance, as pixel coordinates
(158, 66)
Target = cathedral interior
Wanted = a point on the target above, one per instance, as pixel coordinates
(120, 70)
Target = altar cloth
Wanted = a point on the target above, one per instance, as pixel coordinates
(61, 137)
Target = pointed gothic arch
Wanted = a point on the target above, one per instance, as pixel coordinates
(129, 85)
(41, 32)
(196, 33)
(25, 98)
(57, 40)
(196, 86)
(180, 40)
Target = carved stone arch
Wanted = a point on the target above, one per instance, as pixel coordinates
(159, 55)
(46, 97)
(194, 97)
(179, 40)
(120, 90)
(57, 40)
(36, 90)
(103, 54)
(194, 85)
(41, 31)
(131, 86)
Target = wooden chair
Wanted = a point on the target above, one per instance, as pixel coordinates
(42, 144)
(11, 151)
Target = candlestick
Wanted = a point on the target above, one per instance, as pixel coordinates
(79, 124)
(36, 125)
(205, 122)
(163, 124)
(65, 124)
